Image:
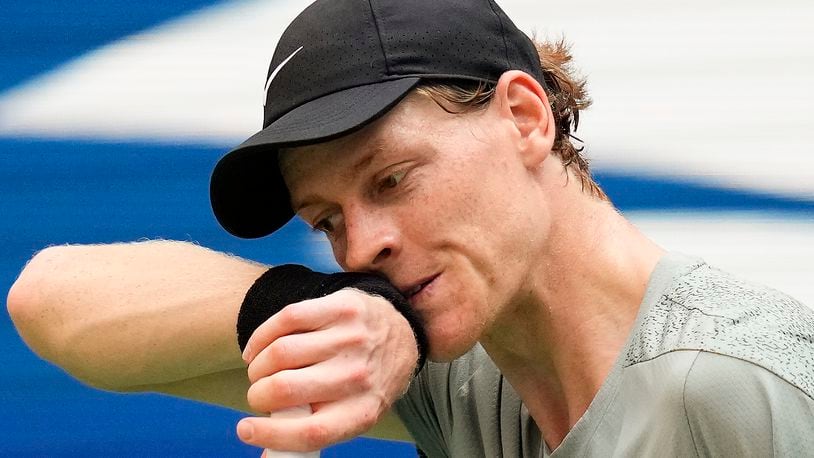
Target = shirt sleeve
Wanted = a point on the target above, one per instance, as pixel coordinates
(737, 408)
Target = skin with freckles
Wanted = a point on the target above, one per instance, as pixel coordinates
(416, 198)
(491, 238)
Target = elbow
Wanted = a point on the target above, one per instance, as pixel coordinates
(20, 304)
(37, 307)
(19, 300)
(29, 305)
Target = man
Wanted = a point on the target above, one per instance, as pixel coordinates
(432, 147)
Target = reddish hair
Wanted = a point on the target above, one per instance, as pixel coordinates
(566, 92)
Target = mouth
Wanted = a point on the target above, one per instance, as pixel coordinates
(414, 291)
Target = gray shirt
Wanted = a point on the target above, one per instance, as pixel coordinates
(714, 366)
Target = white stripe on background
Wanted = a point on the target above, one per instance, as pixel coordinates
(759, 247)
(198, 79)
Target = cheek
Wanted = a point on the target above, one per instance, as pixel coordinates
(495, 231)
(479, 224)
(489, 213)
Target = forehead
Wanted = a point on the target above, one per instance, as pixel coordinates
(333, 155)
(403, 125)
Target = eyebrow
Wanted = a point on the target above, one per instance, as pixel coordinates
(376, 149)
(306, 201)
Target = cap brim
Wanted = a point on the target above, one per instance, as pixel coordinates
(247, 192)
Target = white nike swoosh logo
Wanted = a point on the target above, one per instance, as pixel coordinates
(275, 72)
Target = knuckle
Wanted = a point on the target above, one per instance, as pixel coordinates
(316, 435)
(357, 339)
(254, 371)
(361, 377)
(256, 399)
(288, 316)
(280, 389)
(279, 352)
(269, 393)
(350, 310)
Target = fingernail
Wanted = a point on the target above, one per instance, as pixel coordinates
(246, 352)
(245, 430)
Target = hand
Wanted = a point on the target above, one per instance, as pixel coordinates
(349, 355)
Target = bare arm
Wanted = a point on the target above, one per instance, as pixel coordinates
(148, 316)
(133, 315)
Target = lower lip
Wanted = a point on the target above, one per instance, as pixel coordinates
(422, 293)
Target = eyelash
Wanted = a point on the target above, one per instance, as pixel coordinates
(318, 227)
(389, 182)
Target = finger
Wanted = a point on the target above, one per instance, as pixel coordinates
(276, 434)
(309, 315)
(297, 351)
(332, 423)
(324, 382)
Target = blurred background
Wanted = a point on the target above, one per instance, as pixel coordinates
(112, 115)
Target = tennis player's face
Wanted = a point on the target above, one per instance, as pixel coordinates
(438, 203)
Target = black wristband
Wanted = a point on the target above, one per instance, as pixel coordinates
(290, 283)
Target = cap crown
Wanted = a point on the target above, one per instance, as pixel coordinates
(339, 44)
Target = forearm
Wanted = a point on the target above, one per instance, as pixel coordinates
(226, 389)
(126, 315)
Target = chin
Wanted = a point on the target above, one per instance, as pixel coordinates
(446, 346)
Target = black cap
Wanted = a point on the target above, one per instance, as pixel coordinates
(343, 63)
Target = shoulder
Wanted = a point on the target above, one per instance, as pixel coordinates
(713, 311)
(735, 407)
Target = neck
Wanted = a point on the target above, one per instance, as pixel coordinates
(564, 330)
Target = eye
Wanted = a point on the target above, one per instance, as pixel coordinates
(324, 225)
(392, 180)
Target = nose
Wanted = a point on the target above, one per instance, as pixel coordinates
(371, 239)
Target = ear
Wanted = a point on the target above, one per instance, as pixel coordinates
(524, 104)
